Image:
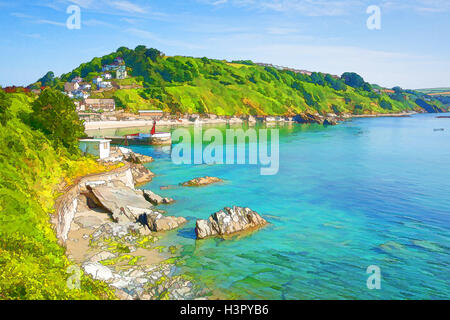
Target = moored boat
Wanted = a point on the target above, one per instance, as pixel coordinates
(152, 138)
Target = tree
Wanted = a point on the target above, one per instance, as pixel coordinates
(153, 54)
(48, 79)
(5, 111)
(385, 104)
(55, 115)
(353, 79)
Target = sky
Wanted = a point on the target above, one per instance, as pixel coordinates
(410, 49)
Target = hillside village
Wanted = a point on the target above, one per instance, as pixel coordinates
(110, 87)
(81, 90)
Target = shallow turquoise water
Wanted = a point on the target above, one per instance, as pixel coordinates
(366, 192)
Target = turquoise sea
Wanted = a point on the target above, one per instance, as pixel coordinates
(371, 191)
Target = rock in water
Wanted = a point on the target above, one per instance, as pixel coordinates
(156, 199)
(198, 182)
(330, 122)
(229, 221)
(308, 118)
(157, 222)
(141, 174)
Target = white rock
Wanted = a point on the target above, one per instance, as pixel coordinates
(98, 271)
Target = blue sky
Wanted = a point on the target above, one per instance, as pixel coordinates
(412, 49)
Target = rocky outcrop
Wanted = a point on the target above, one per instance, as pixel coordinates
(308, 118)
(330, 122)
(138, 158)
(157, 222)
(199, 182)
(156, 199)
(141, 174)
(316, 118)
(121, 201)
(229, 221)
(67, 204)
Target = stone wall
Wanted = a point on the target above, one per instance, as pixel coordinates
(66, 205)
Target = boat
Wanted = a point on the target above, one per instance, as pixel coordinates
(152, 138)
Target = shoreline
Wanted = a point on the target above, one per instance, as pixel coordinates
(381, 115)
(122, 124)
(125, 255)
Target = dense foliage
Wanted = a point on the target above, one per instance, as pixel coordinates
(32, 264)
(201, 85)
(55, 115)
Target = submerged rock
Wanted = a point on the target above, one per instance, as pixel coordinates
(203, 181)
(156, 199)
(229, 221)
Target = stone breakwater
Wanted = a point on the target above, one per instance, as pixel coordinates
(228, 222)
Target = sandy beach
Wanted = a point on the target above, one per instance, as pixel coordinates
(93, 125)
(119, 124)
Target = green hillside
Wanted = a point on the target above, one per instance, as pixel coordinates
(434, 91)
(34, 160)
(201, 85)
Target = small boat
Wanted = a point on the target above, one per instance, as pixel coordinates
(439, 129)
(152, 138)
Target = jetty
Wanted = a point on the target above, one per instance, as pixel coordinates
(160, 138)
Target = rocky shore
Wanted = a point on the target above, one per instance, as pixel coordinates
(111, 230)
(119, 119)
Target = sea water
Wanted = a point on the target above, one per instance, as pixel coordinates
(368, 192)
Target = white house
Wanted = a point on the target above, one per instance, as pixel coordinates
(100, 148)
(121, 73)
(107, 76)
(79, 94)
(97, 80)
(104, 84)
(85, 86)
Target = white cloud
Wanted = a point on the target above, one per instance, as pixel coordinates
(51, 22)
(303, 7)
(167, 42)
(333, 7)
(127, 6)
(97, 23)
